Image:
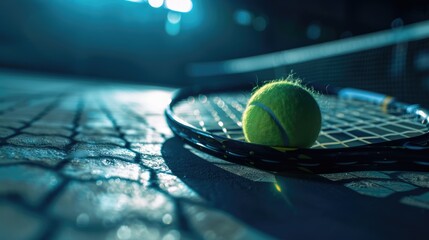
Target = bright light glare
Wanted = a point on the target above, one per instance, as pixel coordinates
(156, 3)
(136, 1)
(179, 5)
(278, 188)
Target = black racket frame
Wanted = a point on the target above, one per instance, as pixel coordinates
(402, 154)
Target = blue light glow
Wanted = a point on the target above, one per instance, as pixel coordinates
(243, 17)
(172, 29)
(174, 17)
(156, 3)
(314, 31)
(179, 5)
(260, 23)
(136, 1)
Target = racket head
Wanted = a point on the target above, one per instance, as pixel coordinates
(209, 118)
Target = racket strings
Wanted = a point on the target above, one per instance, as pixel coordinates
(349, 123)
(346, 123)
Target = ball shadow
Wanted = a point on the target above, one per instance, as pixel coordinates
(297, 206)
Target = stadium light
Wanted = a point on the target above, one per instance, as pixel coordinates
(156, 3)
(179, 5)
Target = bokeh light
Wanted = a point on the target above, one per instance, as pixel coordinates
(243, 17)
(179, 5)
(314, 31)
(172, 24)
(397, 23)
(174, 17)
(259, 23)
(156, 3)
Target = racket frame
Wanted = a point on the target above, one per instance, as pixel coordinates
(406, 153)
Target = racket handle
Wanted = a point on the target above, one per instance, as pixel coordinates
(362, 95)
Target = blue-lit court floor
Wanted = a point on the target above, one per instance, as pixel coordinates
(96, 160)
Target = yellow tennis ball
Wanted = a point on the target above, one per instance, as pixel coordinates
(282, 113)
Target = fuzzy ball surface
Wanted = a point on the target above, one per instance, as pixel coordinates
(282, 113)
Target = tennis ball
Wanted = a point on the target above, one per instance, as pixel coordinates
(282, 113)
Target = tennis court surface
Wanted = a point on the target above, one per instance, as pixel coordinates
(84, 160)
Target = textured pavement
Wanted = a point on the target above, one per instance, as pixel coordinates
(84, 162)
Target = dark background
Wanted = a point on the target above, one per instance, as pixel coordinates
(128, 41)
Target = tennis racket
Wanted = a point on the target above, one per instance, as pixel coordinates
(360, 130)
